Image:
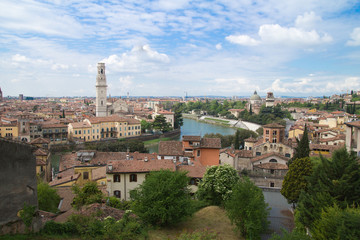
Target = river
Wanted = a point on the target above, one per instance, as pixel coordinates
(196, 128)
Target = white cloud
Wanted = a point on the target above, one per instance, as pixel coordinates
(230, 85)
(19, 58)
(307, 21)
(138, 59)
(126, 82)
(218, 46)
(242, 40)
(275, 34)
(355, 37)
(59, 66)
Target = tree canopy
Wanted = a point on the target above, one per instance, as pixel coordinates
(216, 185)
(294, 180)
(247, 209)
(160, 124)
(334, 181)
(163, 198)
(302, 149)
(48, 198)
(88, 194)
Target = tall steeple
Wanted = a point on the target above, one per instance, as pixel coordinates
(1, 96)
(101, 87)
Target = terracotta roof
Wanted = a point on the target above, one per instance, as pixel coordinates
(269, 155)
(245, 153)
(196, 171)
(191, 138)
(40, 152)
(273, 125)
(98, 173)
(80, 125)
(353, 124)
(250, 139)
(67, 196)
(71, 178)
(113, 118)
(236, 110)
(271, 165)
(210, 143)
(40, 140)
(140, 166)
(170, 148)
(324, 147)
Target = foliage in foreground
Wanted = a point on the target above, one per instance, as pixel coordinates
(335, 223)
(294, 235)
(48, 198)
(247, 209)
(27, 214)
(89, 227)
(332, 183)
(217, 183)
(88, 194)
(163, 198)
(294, 180)
(117, 203)
(199, 235)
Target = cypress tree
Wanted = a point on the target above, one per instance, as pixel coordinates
(237, 140)
(302, 150)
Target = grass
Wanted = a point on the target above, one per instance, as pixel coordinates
(210, 218)
(217, 120)
(153, 141)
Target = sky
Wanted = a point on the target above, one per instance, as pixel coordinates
(166, 48)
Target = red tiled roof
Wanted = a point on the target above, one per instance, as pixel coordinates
(40, 140)
(273, 125)
(210, 143)
(353, 124)
(170, 148)
(191, 138)
(196, 171)
(139, 166)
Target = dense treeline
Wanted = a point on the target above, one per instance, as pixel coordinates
(118, 146)
(237, 140)
(267, 115)
(335, 106)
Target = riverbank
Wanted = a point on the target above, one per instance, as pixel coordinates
(223, 122)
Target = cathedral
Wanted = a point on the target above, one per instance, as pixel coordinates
(103, 108)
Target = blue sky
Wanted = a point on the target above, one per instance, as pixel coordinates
(166, 48)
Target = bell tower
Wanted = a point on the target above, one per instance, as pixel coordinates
(101, 108)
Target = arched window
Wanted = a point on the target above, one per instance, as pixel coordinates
(265, 148)
(273, 160)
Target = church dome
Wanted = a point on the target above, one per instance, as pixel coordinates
(255, 96)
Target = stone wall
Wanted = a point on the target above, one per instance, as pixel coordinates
(17, 179)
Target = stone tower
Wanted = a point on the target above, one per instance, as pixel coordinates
(101, 109)
(270, 99)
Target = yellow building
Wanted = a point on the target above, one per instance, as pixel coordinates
(97, 128)
(43, 167)
(9, 130)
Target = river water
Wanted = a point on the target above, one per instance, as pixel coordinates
(280, 216)
(196, 128)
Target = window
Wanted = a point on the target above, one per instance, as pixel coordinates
(116, 178)
(117, 193)
(287, 155)
(274, 132)
(273, 160)
(258, 153)
(86, 175)
(274, 140)
(272, 184)
(193, 181)
(198, 153)
(133, 178)
(272, 171)
(267, 131)
(88, 131)
(75, 131)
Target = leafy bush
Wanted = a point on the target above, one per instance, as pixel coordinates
(54, 228)
(27, 215)
(47, 197)
(163, 198)
(117, 203)
(294, 235)
(90, 193)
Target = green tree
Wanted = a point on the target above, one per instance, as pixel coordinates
(216, 185)
(48, 198)
(237, 140)
(145, 125)
(88, 194)
(294, 180)
(337, 223)
(163, 198)
(178, 119)
(302, 149)
(334, 181)
(247, 209)
(161, 124)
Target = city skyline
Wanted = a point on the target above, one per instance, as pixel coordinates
(166, 48)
